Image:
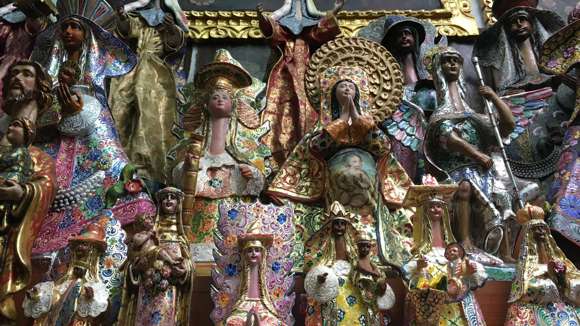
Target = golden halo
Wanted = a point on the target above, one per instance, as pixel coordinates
(383, 72)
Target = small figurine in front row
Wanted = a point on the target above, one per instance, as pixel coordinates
(546, 290)
(79, 297)
(15, 160)
(439, 289)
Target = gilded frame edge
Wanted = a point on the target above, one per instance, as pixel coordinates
(454, 19)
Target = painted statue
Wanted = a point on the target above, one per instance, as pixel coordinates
(546, 290)
(79, 296)
(18, 31)
(143, 102)
(347, 158)
(294, 31)
(332, 261)
(26, 92)
(222, 114)
(15, 160)
(484, 201)
(440, 277)
(408, 39)
(159, 272)
(509, 53)
(252, 283)
(79, 132)
(560, 56)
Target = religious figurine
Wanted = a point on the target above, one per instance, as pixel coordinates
(85, 145)
(79, 297)
(561, 57)
(143, 102)
(348, 159)
(26, 92)
(408, 39)
(338, 277)
(294, 31)
(371, 281)
(546, 290)
(440, 278)
(252, 283)
(222, 114)
(467, 138)
(509, 52)
(15, 161)
(158, 278)
(18, 30)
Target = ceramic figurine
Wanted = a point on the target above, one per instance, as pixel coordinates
(79, 297)
(143, 102)
(546, 290)
(294, 31)
(26, 93)
(159, 273)
(440, 277)
(252, 284)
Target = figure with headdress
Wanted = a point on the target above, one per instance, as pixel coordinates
(440, 284)
(143, 102)
(560, 56)
(252, 283)
(78, 130)
(20, 23)
(159, 278)
(331, 256)
(509, 53)
(79, 296)
(26, 201)
(408, 39)
(546, 290)
(294, 31)
(221, 112)
(483, 201)
(347, 157)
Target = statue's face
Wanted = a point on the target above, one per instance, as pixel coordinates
(451, 64)
(220, 104)
(435, 211)
(345, 90)
(520, 27)
(72, 34)
(169, 203)
(364, 248)
(254, 255)
(338, 227)
(405, 39)
(15, 133)
(355, 162)
(540, 234)
(453, 252)
(22, 80)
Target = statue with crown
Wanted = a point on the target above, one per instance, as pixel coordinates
(347, 158)
(221, 157)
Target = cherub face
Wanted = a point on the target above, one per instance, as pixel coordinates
(16, 134)
(364, 248)
(220, 104)
(354, 162)
(253, 255)
(453, 252)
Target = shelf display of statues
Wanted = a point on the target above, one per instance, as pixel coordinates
(348, 180)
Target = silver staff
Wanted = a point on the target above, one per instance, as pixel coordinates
(498, 135)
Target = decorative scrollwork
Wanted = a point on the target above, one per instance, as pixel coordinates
(454, 19)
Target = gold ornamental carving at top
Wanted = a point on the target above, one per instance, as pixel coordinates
(383, 73)
(454, 19)
(487, 14)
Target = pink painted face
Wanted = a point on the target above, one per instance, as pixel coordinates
(253, 255)
(345, 90)
(435, 211)
(22, 79)
(220, 104)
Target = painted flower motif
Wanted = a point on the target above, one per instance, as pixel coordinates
(231, 240)
(565, 159)
(310, 310)
(231, 270)
(223, 300)
(215, 183)
(133, 187)
(95, 203)
(109, 262)
(341, 315)
(277, 293)
(351, 300)
(552, 63)
(207, 225)
(276, 266)
(570, 205)
(198, 205)
(569, 52)
(156, 318)
(233, 214)
(282, 218)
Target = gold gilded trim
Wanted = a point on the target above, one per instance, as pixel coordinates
(487, 14)
(454, 19)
